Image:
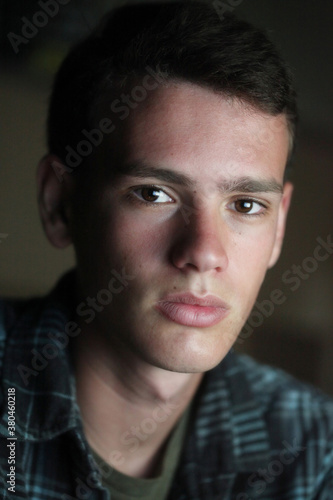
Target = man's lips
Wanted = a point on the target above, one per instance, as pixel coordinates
(189, 310)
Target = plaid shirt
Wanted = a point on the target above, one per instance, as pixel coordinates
(255, 432)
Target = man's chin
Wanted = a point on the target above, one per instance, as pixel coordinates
(179, 348)
(188, 362)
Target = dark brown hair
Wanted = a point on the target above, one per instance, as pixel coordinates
(185, 40)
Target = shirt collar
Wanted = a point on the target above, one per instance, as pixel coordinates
(229, 422)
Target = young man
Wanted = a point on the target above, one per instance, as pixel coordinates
(169, 133)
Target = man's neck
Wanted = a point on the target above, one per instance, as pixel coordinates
(128, 407)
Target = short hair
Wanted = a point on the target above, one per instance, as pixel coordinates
(186, 41)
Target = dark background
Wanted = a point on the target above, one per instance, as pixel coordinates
(296, 335)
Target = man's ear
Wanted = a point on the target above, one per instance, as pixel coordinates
(53, 200)
(281, 223)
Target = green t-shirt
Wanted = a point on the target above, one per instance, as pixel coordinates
(123, 487)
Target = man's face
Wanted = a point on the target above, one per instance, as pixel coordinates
(196, 208)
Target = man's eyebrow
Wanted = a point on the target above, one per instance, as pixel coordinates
(140, 169)
(245, 184)
(250, 185)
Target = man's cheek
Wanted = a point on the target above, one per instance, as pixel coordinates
(246, 293)
(145, 254)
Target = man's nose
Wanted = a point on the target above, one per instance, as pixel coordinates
(201, 243)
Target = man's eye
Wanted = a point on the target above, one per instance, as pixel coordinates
(152, 194)
(248, 207)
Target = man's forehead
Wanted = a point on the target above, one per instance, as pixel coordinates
(193, 109)
(189, 127)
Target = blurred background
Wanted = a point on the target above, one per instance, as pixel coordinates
(296, 335)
